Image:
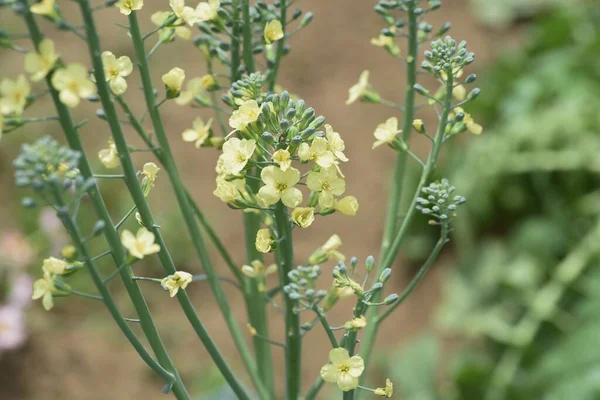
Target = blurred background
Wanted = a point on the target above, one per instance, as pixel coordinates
(511, 309)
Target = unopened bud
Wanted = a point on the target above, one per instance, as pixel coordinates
(391, 299)
(385, 275)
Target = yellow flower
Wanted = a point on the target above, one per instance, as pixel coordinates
(318, 152)
(386, 132)
(358, 90)
(44, 7)
(343, 370)
(245, 115)
(44, 289)
(73, 84)
(279, 185)
(303, 216)
(327, 183)
(387, 391)
(459, 92)
(39, 64)
(207, 11)
(199, 132)
(236, 153)
(347, 206)
(159, 18)
(264, 242)
(194, 89)
(208, 82)
(109, 157)
(14, 95)
(115, 70)
(419, 125)
(258, 270)
(473, 127)
(273, 31)
(68, 252)
(186, 13)
(179, 280)
(283, 159)
(335, 143)
(389, 42)
(251, 330)
(229, 191)
(173, 79)
(149, 172)
(54, 266)
(140, 245)
(329, 251)
(127, 6)
(356, 323)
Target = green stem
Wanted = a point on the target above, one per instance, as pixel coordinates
(293, 337)
(280, 46)
(388, 259)
(323, 319)
(247, 37)
(235, 44)
(110, 233)
(139, 199)
(184, 203)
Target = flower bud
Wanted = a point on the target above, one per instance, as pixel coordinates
(419, 126)
(370, 263)
(385, 275)
(391, 299)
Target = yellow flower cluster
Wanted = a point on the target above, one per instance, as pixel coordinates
(204, 11)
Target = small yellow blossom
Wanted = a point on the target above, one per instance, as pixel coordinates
(179, 280)
(109, 157)
(283, 159)
(193, 88)
(419, 125)
(273, 31)
(115, 70)
(387, 391)
(329, 251)
(386, 132)
(328, 184)
(39, 64)
(140, 245)
(257, 270)
(208, 82)
(279, 185)
(68, 252)
(54, 266)
(335, 143)
(264, 241)
(127, 6)
(74, 84)
(303, 216)
(356, 324)
(245, 115)
(347, 206)
(358, 90)
(199, 132)
(44, 289)
(459, 92)
(318, 151)
(388, 42)
(165, 33)
(236, 153)
(44, 7)
(149, 172)
(229, 191)
(14, 95)
(343, 370)
(173, 79)
(207, 11)
(186, 13)
(471, 125)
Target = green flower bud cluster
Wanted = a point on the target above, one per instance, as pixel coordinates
(247, 88)
(46, 162)
(439, 202)
(447, 57)
(303, 282)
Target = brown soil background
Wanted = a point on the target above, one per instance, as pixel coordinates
(75, 352)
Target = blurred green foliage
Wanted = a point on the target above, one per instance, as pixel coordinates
(525, 300)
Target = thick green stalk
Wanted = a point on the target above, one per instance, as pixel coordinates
(293, 337)
(370, 331)
(184, 203)
(351, 336)
(110, 233)
(133, 184)
(256, 304)
(408, 117)
(280, 46)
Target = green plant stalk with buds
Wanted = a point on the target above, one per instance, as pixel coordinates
(271, 133)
